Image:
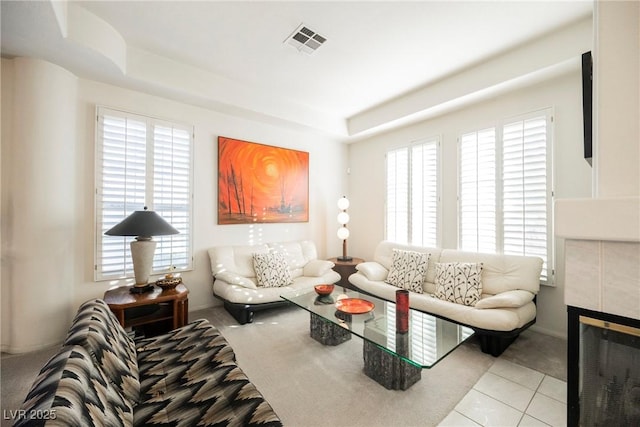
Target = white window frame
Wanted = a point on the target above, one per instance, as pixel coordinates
(405, 205)
(174, 251)
(548, 268)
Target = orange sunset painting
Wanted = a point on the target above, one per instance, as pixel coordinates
(260, 183)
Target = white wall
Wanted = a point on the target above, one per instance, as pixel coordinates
(38, 210)
(616, 78)
(326, 184)
(572, 174)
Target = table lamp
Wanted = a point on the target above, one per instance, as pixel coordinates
(142, 224)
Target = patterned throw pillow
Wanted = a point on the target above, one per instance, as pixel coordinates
(271, 269)
(408, 270)
(459, 282)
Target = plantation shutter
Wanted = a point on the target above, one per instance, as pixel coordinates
(525, 188)
(398, 195)
(424, 194)
(121, 187)
(172, 194)
(477, 193)
(412, 194)
(141, 162)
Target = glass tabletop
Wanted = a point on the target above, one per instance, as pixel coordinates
(428, 340)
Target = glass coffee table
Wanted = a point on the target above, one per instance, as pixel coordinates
(393, 359)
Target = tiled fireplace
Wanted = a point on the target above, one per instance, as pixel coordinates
(601, 236)
(602, 292)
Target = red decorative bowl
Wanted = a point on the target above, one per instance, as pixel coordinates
(323, 290)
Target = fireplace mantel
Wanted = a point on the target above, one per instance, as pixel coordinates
(602, 219)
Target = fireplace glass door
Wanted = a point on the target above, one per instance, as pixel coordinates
(609, 374)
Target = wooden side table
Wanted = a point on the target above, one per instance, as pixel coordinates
(345, 269)
(153, 307)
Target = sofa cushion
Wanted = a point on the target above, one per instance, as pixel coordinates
(235, 279)
(508, 299)
(459, 282)
(317, 268)
(73, 391)
(189, 376)
(97, 330)
(373, 270)
(408, 270)
(235, 259)
(272, 270)
(292, 253)
(223, 396)
(166, 362)
(501, 272)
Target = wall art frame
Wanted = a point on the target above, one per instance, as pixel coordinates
(260, 183)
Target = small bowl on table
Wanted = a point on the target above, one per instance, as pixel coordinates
(323, 290)
(168, 283)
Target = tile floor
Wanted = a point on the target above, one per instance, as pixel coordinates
(511, 395)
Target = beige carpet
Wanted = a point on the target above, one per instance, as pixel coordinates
(309, 384)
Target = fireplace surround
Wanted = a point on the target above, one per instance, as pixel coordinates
(603, 374)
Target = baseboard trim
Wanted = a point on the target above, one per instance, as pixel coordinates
(552, 333)
(11, 350)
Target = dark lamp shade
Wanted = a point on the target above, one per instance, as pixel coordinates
(142, 223)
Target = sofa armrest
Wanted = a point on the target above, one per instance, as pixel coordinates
(509, 299)
(317, 268)
(373, 270)
(236, 279)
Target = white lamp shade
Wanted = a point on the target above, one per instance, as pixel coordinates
(343, 233)
(343, 218)
(343, 204)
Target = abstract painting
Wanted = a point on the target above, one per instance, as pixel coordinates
(261, 183)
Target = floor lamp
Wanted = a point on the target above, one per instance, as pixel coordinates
(343, 232)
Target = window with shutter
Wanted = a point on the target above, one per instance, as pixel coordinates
(505, 189)
(140, 162)
(412, 211)
(525, 188)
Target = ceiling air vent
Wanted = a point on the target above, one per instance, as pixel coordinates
(305, 40)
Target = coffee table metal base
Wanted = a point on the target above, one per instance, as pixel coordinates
(327, 333)
(387, 369)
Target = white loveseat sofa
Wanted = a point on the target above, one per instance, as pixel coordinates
(243, 291)
(506, 305)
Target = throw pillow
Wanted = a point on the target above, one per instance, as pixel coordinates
(408, 269)
(459, 282)
(271, 269)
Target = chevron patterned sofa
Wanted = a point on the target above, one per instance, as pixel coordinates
(100, 376)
